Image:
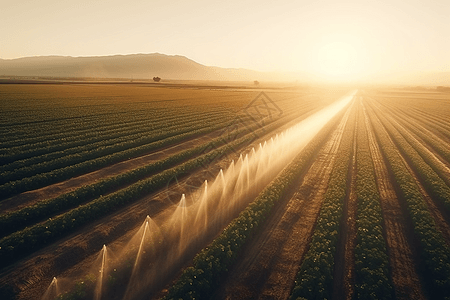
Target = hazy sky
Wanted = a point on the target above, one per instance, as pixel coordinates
(329, 38)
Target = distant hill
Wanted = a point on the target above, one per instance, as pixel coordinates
(176, 67)
(142, 66)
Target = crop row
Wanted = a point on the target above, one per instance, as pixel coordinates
(437, 144)
(128, 114)
(44, 179)
(50, 161)
(26, 216)
(87, 125)
(40, 144)
(435, 253)
(70, 129)
(38, 134)
(19, 118)
(315, 277)
(31, 238)
(100, 139)
(100, 158)
(414, 153)
(421, 121)
(209, 265)
(372, 280)
(100, 116)
(80, 122)
(433, 122)
(427, 152)
(434, 117)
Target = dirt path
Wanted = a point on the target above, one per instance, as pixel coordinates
(270, 262)
(404, 276)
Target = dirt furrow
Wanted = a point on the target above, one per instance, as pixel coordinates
(270, 262)
(406, 281)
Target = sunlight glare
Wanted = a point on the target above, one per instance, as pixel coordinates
(337, 60)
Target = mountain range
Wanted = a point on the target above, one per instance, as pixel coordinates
(176, 67)
(137, 66)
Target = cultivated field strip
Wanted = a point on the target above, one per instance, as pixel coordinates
(103, 137)
(362, 269)
(176, 105)
(405, 278)
(433, 247)
(134, 217)
(69, 132)
(34, 237)
(201, 143)
(68, 140)
(429, 140)
(344, 269)
(363, 212)
(38, 164)
(16, 245)
(419, 116)
(213, 261)
(270, 261)
(116, 100)
(432, 158)
(130, 139)
(432, 181)
(51, 207)
(433, 171)
(431, 104)
(293, 229)
(424, 131)
(372, 278)
(56, 175)
(126, 154)
(77, 164)
(146, 114)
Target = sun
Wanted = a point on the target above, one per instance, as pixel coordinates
(337, 60)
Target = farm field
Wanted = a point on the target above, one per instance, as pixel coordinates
(113, 191)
